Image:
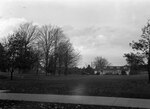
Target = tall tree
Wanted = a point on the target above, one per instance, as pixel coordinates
(19, 48)
(12, 52)
(46, 42)
(100, 63)
(21, 56)
(142, 46)
(49, 37)
(27, 33)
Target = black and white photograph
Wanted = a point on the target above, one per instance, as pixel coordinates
(74, 54)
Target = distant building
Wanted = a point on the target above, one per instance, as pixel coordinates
(114, 70)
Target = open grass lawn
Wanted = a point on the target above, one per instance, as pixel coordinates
(94, 85)
(41, 105)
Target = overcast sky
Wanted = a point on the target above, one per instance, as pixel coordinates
(95, 27)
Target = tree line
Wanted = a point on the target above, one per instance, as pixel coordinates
(40, 48)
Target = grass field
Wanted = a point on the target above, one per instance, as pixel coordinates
(134, 86)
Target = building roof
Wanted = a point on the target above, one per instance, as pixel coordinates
(116, 68)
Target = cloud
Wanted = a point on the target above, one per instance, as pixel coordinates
(110, 42)
(7, 25)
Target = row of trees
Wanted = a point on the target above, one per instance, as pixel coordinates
(33, 47)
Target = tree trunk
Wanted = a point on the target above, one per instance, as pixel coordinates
(55, 64)
(55, 59)
(11, 74)
(66, 70)
(59, 70)
(149, 62)
(66, 63)
(46, 64)
(37, 69)
(60, 64)
(148, 70)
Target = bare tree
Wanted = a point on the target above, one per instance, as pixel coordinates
(29, 32)
(49, 37)
(100, 63)
(68, 57)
